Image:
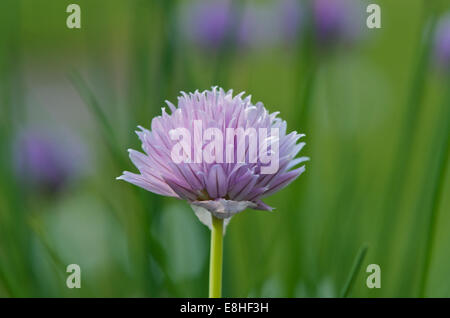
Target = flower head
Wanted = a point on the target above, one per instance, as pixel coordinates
(220, 153)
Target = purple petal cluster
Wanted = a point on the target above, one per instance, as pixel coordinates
(222, 189)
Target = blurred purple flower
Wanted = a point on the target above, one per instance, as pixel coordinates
(442, 42)
(43, 162)
(218, 188)
(207, 22)
(337, 20)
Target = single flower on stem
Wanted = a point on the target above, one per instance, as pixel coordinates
(222, 154)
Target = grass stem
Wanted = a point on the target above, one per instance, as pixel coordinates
(355, 270)
(437, 194)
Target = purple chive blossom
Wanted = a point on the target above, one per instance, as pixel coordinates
(337, 20)
(43, 162)
(218, 188)
(442, 42)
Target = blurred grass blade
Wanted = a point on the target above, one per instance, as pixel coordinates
(355, 270)
(160, 257)
(168, 53)
(107, 129)
(59, 265)
(303, 88)
(140, 89)
(91, 101)
(305, 75)
(442, 166)
(6, 285)
(407, 138)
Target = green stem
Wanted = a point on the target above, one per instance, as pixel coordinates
(215, 264)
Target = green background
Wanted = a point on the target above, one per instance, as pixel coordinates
(376, 119)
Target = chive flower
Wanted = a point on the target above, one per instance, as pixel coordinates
(220, 153)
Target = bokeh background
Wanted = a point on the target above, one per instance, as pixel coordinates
(374, 104)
